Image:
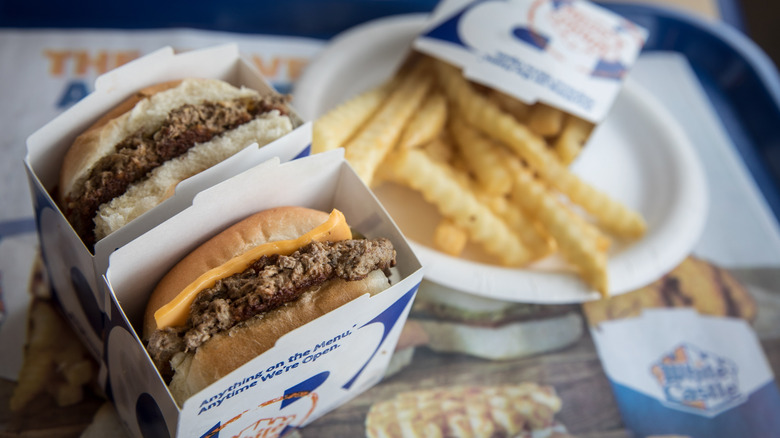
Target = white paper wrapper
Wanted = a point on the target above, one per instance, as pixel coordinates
(571, 55)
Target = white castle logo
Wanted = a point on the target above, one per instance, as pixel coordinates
(697, 381)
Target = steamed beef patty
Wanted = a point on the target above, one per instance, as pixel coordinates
(141, 152)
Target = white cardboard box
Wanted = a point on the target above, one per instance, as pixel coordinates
(311, 370)
(571, 55)
(76, 272)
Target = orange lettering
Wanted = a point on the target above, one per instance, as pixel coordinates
(124, 57)
(295, 67)
(267, 71)
(84, 61)
(57, 60)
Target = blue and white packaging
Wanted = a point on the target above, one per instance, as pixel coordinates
(309, 371)
(572, 55)
(75, 272)
(675, 371)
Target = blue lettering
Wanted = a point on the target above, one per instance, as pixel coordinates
(271, 375)
(74, 92)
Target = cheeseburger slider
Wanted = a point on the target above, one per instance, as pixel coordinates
(131, 159)
(231, 298)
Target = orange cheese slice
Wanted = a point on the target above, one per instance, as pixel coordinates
(176, 312)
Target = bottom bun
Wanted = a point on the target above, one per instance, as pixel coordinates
(227, 351)
(507, 341)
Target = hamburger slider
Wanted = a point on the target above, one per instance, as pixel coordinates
(231, 298)
(132, 158)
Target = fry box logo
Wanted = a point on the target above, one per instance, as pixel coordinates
(571, 54)
(697, 381)
(575, 33)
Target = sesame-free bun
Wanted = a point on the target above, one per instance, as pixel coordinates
(145, 111)
(226, 351)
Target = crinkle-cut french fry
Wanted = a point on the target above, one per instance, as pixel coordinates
(572, 139)
(366, 150)
(489, 118)
(545, 120)
(510, 104)
(67, 394)
(440, 149)
(462, 169)
(428, 122)
(39, 364)
(55, 360)
(601, 240)
(611, 215)
(439, 187)
(449, 238)
(576, 243)
(334, 128)
(531, 232)
(483, 157)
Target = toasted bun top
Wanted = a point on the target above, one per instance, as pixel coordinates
(281, 223)
(144, 110)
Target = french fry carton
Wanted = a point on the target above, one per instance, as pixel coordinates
(310, 370)
(76, 272)
(571, 55)
(521, 64)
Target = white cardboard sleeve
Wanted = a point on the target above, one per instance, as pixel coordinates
(312, 369)
(76, 272)
(572, 55)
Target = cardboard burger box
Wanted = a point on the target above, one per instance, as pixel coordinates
(74, 270)
(309, 371)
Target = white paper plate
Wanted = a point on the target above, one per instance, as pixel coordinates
(638, 155)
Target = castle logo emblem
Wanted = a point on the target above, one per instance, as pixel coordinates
(697, 381)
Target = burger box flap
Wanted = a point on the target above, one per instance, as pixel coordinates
(75, 272)
(309, 371)
(571, 55)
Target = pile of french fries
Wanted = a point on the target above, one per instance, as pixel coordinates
(497, 169)
(55, 361)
